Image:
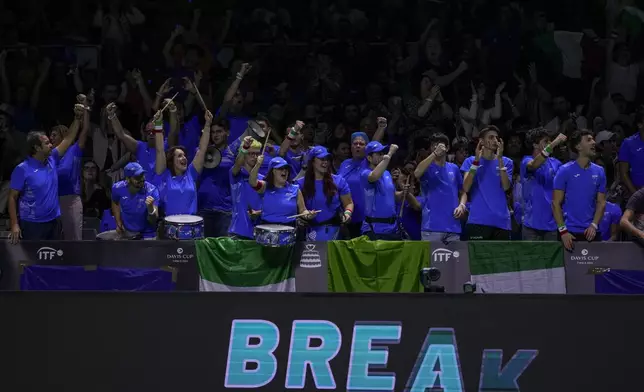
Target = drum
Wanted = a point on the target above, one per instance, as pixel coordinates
(113, 235)
(274, 235)
(183, 227)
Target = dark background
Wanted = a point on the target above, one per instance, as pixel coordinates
(179, 342)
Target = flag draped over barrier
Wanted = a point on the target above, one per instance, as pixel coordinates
(518, 267)
(360, 265)
(53, 278)
(226, 264)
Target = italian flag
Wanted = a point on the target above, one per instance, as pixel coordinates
(518, 267)
(233, 265)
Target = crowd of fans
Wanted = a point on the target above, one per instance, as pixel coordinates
(512, 89)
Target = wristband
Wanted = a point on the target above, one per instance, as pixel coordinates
(243, 150)
(473, 169)
(562, 228)
(291, 133)
(111, 117)
(258, 186)
(348, 212)
(595, 226)
(239, 76)
(476, 163)
(159, 95)
(502, 168)
(548, 149)
(545, 153)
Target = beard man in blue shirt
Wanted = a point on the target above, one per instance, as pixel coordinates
(580, 186)
(537, 176)
(34, 208)
(487, 178)
(135, 204)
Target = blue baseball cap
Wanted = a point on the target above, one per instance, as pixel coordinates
(375, 147)
(277, 163)
(133, 169)
(319, 152)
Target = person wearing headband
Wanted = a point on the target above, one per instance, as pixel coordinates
(327, 193)
(244, 200)
(351, 170)
(281, 200)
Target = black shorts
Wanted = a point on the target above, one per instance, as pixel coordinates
(486, 233)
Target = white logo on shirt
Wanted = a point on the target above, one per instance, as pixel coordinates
(577, 175)
(639, 149)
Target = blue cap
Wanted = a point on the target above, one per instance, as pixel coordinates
(359, 134)
(133, 169)
(375, 147)
(318, 152)
(277, 163)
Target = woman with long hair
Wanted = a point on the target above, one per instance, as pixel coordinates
(93, 195)
(281, 200)
(327, 193)
(176, 179)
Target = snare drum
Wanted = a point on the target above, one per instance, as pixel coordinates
(274, 235)
(183, 227)
(113, 235)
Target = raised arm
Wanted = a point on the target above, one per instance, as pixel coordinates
(173, 120)
(159, 163)
(143, 90)
(380, 131)
(257, 185)
(291, 134)
(468, 179)
(234, 86)
(85, 121)
(422, 167)
(70, 137)
(167, 48)
(537, 161)
(197, 161)
(382, 166)
(127, 140)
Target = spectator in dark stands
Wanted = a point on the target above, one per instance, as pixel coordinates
(631, 158)
(632, 221)
(94, 197)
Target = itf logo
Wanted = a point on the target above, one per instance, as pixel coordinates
(47, 253)
(442, 255)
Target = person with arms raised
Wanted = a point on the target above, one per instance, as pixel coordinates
(487, 178)
(246, 203)
(351, 170)
(281, 200)
(441, 184)
(292, 148)
(537, 175)
(34, 208)
(580, 186)
(177, 180)
(327, 193)
(69, 177)
(135, 204)
(381, 218)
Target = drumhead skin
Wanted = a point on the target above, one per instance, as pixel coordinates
(275, 228)
(183, 219)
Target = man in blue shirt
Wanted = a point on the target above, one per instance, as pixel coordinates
(441, 184)
(537, 180)
(381, 221)
(135, 204)
(580, 186)
(34, 209)
(631, 158)
(487, 178)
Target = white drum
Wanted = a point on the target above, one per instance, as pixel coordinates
(183, 227)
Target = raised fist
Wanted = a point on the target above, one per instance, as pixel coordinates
(382, 123)
(299, 125)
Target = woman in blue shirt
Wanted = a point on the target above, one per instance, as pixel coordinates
(176, 180)
(327, 193)
(280, 199)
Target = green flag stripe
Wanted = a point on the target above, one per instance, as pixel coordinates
(238, 263)
(500, 257)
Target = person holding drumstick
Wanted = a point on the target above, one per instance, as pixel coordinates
(135, 204)
(282, 202)
(244, 200)
(325, 192)
(176, 178)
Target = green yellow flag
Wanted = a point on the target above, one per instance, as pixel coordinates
(365, 266)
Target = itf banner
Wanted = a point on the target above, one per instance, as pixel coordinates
(452, 260)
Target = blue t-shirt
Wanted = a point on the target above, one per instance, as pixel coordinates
(147, 158)
(280, 203)
(295, 160)
(612, 216)
(320, 202)
(214, 188)
(440, 186)
(537, 194)
(350, 170)
(37, 184)
(69, 171)
(238, 125)
(379, 202)
(581, 187)
(134, 212)
(243, 198)
(263, 170)
(411, 219)
(489, 206)
(189, 135)
(632, 151)
(179, 193)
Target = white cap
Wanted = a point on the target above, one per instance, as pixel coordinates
(603, 136)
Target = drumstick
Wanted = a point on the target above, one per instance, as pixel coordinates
(268, 134)
(169, 102)
(201, 101)
(303, 214)
(402, 203)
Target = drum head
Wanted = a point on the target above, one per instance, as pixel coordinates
(183, 219)
(255, 130)
(273, 227)
(213, 158)
(113, 235)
